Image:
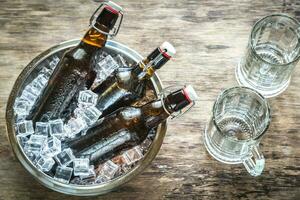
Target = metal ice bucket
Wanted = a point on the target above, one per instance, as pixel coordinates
(80, 190)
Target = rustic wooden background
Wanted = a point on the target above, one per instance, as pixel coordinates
(210, 37)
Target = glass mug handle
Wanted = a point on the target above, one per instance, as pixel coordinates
(255, 163)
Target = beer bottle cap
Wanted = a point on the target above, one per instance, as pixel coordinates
(114, 6)
(190, 93)
(167, 50)
(124, 75)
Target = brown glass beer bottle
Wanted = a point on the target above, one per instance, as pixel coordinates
(74, 70)
(130, 84)
(129, 126)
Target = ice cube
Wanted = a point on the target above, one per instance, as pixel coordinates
(53, 147)
(101, 179)
(105, 68)
(25, 127)
(109, 169)
(38, 84)
(20, 118)
(146, 144)
(63, 174)
(65, 157)
(79, 181)
(79, 112)
(119, 160)
(32, 148)
(91, 174)
(28, 96)
(132, 155)
(36, 159)
(42, 128)
(56, 128)
(87, 97)
(126, 168)
(84, 132)
(21, 107)
(152, 134)
(74, 126)
(46, 72)
(120, 61)
(22, 140)
(35, 144)
(32, 90)
(90, 114)
(30, 155)
(40, 139)
(100, 55)
(53, 63)
(81, 166)
(45, 164)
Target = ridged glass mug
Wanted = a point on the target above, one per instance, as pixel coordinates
(272, 53)
(240, 118)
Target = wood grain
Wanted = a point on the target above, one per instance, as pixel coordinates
(210, 37)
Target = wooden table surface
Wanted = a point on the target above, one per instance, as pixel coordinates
(210, 37)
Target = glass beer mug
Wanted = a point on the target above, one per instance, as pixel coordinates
(272, 53)
(240, 118)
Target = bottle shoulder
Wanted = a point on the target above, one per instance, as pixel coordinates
(76, 58)
(78, 53)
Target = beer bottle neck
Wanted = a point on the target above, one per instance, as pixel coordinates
(154, 61)
(172, 103)
(154, 114)
(159, 110)
(97, 35)
(94, 38)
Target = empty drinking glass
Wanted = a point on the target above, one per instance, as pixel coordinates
(240, 117)
(271, 55)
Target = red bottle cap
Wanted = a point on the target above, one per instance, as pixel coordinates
(114, 7)
(168, 50)
(111, 10)
(190, 94)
